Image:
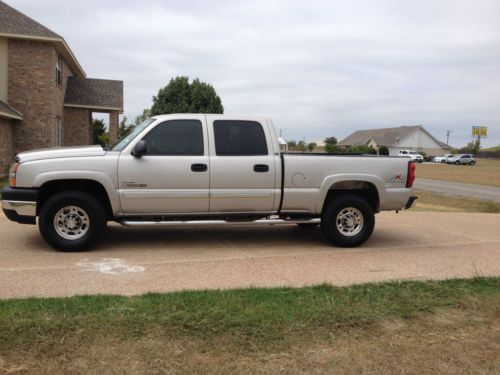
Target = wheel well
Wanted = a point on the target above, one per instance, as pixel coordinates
(363, 189)
(91, 187)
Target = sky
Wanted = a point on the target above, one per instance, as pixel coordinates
(317, 68)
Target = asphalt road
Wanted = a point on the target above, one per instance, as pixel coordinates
(451, 188)
(408, 245)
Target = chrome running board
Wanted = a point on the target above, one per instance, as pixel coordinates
(141, 223)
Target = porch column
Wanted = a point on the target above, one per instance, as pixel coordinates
(113, 127)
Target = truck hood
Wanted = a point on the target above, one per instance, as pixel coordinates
(60, 152)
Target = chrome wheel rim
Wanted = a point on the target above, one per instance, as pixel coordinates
(349, 221)
(71, 222)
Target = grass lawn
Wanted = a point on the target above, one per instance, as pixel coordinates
(410, 327)
(428, 201)
(4, 181)
(485, 172)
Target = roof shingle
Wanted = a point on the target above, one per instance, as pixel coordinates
(94, 93)
(14, 22)
(386, 136)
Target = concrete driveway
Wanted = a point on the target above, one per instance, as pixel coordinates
(408, 245)
(458, 189)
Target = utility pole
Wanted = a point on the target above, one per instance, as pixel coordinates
(448, 132)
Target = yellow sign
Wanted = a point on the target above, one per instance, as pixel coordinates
(479, 131)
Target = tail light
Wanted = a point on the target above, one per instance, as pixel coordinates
(411, 174)
(12, 174)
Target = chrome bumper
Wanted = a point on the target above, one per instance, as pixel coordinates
(22, 208)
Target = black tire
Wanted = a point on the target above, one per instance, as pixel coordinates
(332, 211)
(442, 162)
(472, 162)
(91, 231)
(457, 163)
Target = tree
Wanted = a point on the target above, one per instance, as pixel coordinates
(98, 130)
(301, 146)
(292, 144)
(146, 113)
(124, 129)
(331, 145)
(311, 146)
(383, 150)
(180, 96)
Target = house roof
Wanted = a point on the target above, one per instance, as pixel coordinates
(386, 136)
(7, 111)
(98, 94)
(16, 25)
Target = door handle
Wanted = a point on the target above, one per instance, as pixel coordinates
(199, 167)
(261, 168)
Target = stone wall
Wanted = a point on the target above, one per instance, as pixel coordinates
(6, 145)
(77, 126)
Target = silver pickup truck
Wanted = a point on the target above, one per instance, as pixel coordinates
(193, 169)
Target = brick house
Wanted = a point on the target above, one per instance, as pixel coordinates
(46, 100)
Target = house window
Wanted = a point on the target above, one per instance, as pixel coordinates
(58, 131)
(59, 64)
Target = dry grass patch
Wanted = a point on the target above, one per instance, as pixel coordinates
(428, 201)
(485, 172)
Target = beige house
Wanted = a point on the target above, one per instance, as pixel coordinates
(415, 138)
(46, 99)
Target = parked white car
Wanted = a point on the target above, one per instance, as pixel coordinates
(442, 159)
(414, 155)
(463, 159)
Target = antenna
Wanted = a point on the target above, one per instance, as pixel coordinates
(448, 132)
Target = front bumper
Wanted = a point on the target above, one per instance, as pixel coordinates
(19, 204)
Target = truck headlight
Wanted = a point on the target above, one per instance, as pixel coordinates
(13, 174)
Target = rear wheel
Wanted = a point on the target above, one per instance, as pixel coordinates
(72, 221)
(457, 162)
(348, 221)
(472, 162)
(442, 162)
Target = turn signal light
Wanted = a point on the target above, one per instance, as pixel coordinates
(12, 174)
(411, 174)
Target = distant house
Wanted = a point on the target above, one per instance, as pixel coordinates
(414, 138)
(46, 99)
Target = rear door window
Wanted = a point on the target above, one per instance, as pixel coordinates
(239, 138)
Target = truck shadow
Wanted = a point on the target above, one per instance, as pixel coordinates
(237, 237)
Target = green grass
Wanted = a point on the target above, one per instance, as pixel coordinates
(4, 181)
(257, 315)
(495, 148)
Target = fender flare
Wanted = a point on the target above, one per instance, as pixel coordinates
(99, 177)
(329, 181)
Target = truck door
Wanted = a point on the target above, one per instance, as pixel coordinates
(173, 176)
(242, 166)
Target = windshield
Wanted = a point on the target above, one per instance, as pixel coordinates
(122, 143)
(413, 153)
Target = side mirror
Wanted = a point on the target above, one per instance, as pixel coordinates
(140, 149)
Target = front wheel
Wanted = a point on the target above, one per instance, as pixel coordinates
(457, 162)
(348, 221)
(472, 162)
(442, 162)
(72, 221)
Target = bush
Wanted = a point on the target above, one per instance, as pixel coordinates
(383, 150)
(362, 149)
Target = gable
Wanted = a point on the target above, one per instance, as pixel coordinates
(419, 138)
